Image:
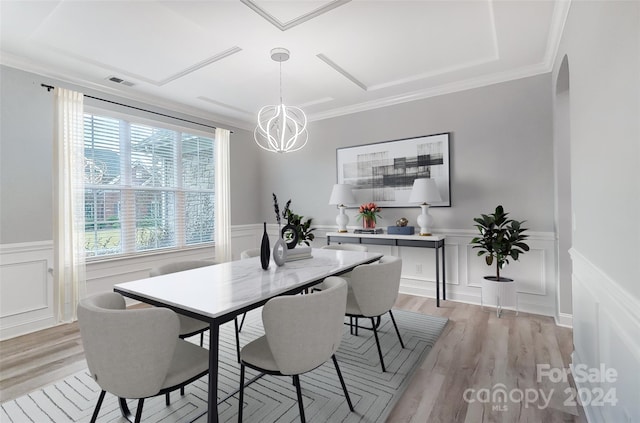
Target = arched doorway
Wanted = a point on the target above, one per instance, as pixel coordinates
(563, 212)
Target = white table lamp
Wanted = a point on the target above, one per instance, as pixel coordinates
(425, 191)
(341, 194)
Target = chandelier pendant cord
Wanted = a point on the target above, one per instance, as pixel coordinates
(281, 83)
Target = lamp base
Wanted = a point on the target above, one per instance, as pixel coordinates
(427, 234)
(342, 231)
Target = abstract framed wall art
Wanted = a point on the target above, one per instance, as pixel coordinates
(384, 172)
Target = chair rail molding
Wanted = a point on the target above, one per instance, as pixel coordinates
(464, 271)
(26, 284)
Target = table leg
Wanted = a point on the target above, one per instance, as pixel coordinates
(212, 415)
(444, 275)
(437, 277)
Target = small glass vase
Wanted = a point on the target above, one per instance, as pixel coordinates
(280, 249)
(368, 222)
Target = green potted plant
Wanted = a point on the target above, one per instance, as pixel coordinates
(500, 238)
(303, 228)
(296, 231)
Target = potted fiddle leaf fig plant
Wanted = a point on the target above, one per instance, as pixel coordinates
(500, 238)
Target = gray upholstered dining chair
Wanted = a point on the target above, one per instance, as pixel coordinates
(251, 252)
(301, 333)
(373, 290)
(247, 254)
(342, 247)
(136, 354)
(347, 247)
(188, 325)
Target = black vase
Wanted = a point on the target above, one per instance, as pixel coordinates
(265, 250)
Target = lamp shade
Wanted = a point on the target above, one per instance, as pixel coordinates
(424, 190)
(341, 194)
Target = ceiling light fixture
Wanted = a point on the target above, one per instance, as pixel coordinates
(281, 129)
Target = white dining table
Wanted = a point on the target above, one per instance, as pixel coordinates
(218, 293)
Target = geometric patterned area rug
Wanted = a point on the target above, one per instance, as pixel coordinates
(269, 399)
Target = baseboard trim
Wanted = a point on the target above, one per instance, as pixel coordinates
(593, 414)
(19, 329)
(564, 320)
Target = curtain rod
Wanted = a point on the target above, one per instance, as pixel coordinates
(51, 87)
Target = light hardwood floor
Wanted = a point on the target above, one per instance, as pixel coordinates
(474, 355)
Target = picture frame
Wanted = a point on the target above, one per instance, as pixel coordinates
(384, 172)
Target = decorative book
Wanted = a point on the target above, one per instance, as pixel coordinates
(400, 230)
(369, 231)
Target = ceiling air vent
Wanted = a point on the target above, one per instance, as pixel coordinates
(120, 81)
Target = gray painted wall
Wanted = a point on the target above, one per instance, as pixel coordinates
(604, 64)
(26, 151)
(501, 153)
(26, 122)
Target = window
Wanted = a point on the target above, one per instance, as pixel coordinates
(146, 187)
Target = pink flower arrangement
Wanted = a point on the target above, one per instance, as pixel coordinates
(369, 211)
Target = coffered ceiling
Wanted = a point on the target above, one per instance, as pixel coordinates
(212, 58)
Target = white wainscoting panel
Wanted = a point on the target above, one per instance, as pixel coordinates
(26, 285)
(26, 288)
(606, 325)
(464, 272)
(534, 272)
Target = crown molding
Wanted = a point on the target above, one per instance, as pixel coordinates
(467, 84)
(218, 120)
(559, 18)
(558, 21)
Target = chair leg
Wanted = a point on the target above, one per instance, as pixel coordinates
(167, 399)
(344, 387)
(241, 396)
(202, 338)
(139, 410)
(98, 405)
(242, 322)
(375, 333)
(396, 326)
(182, 390)
(124, 409)
(296, 381)
(235, 323)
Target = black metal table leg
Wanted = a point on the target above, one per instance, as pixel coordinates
(214, 332)
(437, 277)
(444, 274)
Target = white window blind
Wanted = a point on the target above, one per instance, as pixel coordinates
(146, 187)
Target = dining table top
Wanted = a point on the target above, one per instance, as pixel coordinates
(222, 290)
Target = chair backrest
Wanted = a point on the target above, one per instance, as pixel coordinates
(251, 252)
(375, 286)
(304, 331)
(179, 266)
(348, 247)
(128, 352)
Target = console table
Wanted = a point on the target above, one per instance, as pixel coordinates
(432, 241)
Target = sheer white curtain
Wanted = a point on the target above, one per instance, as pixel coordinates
(68, 190)
(222, 204)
